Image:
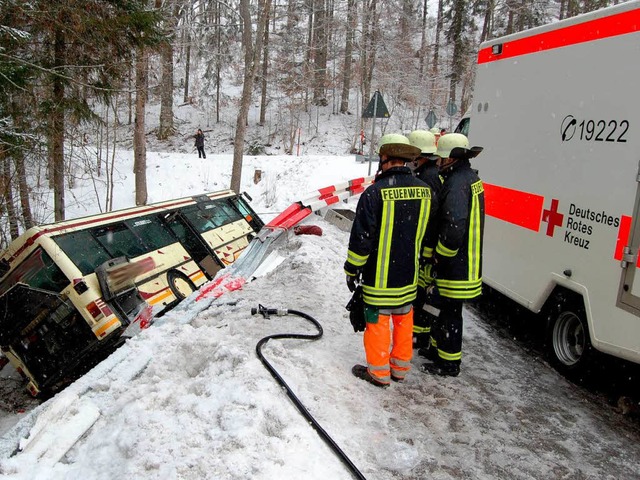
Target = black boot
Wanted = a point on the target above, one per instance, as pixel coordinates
(429, 353)
(361, 371)
(441, 368)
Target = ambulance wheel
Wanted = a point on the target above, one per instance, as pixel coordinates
(569, 343)
(180, 284)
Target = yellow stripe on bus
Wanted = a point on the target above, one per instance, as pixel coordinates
(101, 331)
(167, 293)
(196, 276)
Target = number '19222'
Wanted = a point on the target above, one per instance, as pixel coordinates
(602, 130)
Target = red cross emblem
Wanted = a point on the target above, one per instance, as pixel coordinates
(552, 217)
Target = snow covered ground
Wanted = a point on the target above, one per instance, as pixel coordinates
(189, 399)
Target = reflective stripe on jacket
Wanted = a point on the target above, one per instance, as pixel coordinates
(460, 227)
(391, 221)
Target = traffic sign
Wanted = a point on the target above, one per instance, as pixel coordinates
(376, 107)
(431, 119)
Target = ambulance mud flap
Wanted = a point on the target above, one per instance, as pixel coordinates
(266, 312)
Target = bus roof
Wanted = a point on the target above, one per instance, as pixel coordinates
(30, 236)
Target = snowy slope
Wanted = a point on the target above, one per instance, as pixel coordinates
(188, 398)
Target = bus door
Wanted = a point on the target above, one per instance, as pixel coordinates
(193, 243)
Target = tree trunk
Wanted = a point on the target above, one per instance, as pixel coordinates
(218, 60)
(187, 64)
(348, 54)
(130, 96)
(23, 186)
(436, 56)
(309, 52)
(320, 53)
(370, 19)
(251, 62)
(423, 41)
(57, 129)
(458, 60)
(510, 17)
(139, 138)
(166, 128)
(487, 24)
(7, 194)
(265, 70)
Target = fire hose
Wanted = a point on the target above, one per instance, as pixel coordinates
(266, 312)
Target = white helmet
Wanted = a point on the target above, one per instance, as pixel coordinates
(424, 140)
(449, 141)
(397, 146)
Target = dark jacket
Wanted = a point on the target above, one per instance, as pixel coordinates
(199, 139)
(458, 250)
(391, 225)
(429, 173)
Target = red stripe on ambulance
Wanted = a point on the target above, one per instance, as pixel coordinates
(623, 236)
(597, 29)
(520, 208)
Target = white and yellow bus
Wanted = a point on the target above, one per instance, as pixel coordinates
(69, 290)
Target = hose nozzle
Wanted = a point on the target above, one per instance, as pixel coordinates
(266, 312)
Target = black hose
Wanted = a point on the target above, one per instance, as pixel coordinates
(265, 312)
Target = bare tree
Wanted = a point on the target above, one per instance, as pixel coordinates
(139, 137)
(251, 62)
(166, 127)
(265, 71)
(320, 53)
(7, 193)
(369, 47)
(435, 63)
(23, 189)
(348, 55)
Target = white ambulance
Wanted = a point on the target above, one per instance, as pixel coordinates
(557, 110)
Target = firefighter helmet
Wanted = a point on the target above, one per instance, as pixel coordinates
(448, 142)
(424, 140)
(435, 131)
(397, 146)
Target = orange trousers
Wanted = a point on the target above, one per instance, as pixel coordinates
(388, 350)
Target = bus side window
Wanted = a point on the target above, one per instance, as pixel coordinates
(222, 212)
(119, 241)
(83, 250)
(152, 232)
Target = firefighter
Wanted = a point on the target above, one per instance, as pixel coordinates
(384, 248)
(426, 170)
(457, 256)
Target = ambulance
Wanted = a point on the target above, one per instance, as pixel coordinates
(557, 110)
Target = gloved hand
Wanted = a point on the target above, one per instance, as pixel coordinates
(356, 311)
(351, 282)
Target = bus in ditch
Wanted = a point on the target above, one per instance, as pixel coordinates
(69, 290)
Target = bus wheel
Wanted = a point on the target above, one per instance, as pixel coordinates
(180, 284)
(568, 339)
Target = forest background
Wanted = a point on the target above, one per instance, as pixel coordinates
(82, 78)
